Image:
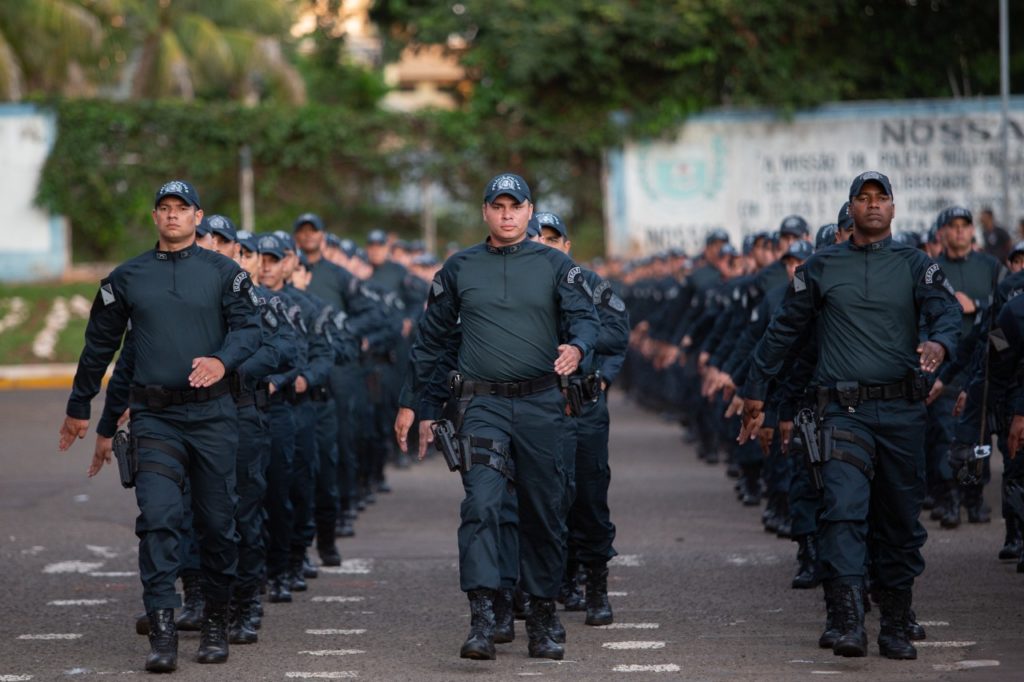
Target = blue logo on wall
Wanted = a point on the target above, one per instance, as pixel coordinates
(689, 172)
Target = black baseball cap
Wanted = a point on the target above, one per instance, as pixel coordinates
(510, 184)
(222, 226)
(845, 220)
(332, 240)
(287, 242)
(546, 219)
(308, 218)
(801, 250)
(826, 236)
(271, 244)
(532, 228)
(954, 212)
(870, 176)
(377, 237)
(1018, 249)
(178, 188)
(716, 235)
(248, 240)
(728, 250)
(203, 228)
(794, 225)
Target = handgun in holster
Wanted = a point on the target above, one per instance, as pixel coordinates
(127, 461)
(808, 428)
(447, 443)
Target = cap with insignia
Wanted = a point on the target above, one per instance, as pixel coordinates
(794, 226)
(377, 237)
(870, 176)
(716, 235)
(247, 240)
(845, 220)
(311, 219)
(271, 245)
(547, 219)
(178, 188)
(220, 225)
(507, 183)
(826, 236)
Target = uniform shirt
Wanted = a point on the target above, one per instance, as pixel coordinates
(613, 339)
(977, 275)
(510, 303)
(342, 290)
(866, 302)
(181, 305)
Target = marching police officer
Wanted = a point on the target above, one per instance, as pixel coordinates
(867, 298)
(511, 298)
(194, 319)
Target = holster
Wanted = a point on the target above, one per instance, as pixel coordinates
(124, 453)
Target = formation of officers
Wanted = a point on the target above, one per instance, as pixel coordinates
(851, 379)
(252, 400)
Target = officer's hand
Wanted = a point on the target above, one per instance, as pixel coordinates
(403, 422)
(961, 403)
(426, 436)
(568, 359)
(271, 388)
(966, 302)
(101, 454)
(735, 407)
(70, 430)
(205, 372)
(785, 434)
(1016, 437)
(753, 417)
(932, 354)
(702, 359)
(125, 416)
(687, 341)
(406, 328)
(301, 385)
(765, 435)
(935, 392)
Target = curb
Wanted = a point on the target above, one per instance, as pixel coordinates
(38, 377)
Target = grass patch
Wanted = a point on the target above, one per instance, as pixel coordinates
(16, 343)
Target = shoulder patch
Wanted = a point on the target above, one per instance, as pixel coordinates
(616, 303)
(107, 293)
(799, 284)
(929, 274)
(236, 285)
(436, 287)
(573, 274)
(270, 318)
(253, 297)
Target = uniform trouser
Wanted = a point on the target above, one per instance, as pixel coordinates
(778, 472)
(804, 500)
(896, 430)
(304, 472)
(501, 522)
(345, 385)
(591, 531)
(381, 415)
(279, 480)
(251, 473)
(938, 438)
(325, 510)
(207, 433)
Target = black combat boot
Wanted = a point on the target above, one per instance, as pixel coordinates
(520, 603)
(479, 645)
(296, 575)
(893, 639)
(806, 577)
(557, 629)
(241, 629)
(1012, 546)
(770, 516)
(570, 595)
(849, 605)
(309, 569)
(142, 624)
(915, 631)
(951, 516)
(539, 622)
(941, 502)
(163, 642)
(255, 611)
(599, 611)
(750, 492)
(329, 554)
(831, 634)
(213, 638)
(504, 618)
(191, 617)
(784, 528)
(977, 510)
(344, 527)
(280, 588)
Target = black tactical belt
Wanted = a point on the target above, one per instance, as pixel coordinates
(258, 397)
(858, 394)
(158, 397)
(512, 389)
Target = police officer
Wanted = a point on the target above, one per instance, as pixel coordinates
(510, 359)
(194, 319)
(591, 531)
(866, 297)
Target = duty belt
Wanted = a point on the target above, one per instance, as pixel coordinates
(257, 397)
(159, 397)
(512, 389)
(850, 393)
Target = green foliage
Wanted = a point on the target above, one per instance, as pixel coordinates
(16, 342)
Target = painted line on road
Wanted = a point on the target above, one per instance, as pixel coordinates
(15, 678)
(629, 626)
(752, 560)
(826, 672)
(633, 645)
(338, 675)
(966, 665)
(350, 567)
(618, 594)
(631, 560)
(933, 623)
(334, 652)
(335, 631)
(655, 668)
(113, 574)
(73, 567)
(33, 550)
(104, 552)
(341, 600)
(52, 635)
(946, 645)
(80, 498)
(77, 602)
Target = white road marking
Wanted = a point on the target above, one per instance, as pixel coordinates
(73, 567)
(81, 498)
(32, 551)
(112, 574)
(946, 645)
(78, 671)
(800, 660)
(334, 631)
(966, 665)
(629, 626)
(334, 652)
(76, 602)
(618, 594)
(631, 560)
(633, 645)
(933, 623)
(826, 672)
(338, 599)
(15, 678)
(350, 567)
(752, 560)
(104, 552)
(659, 668)
(52, 635)
(339, 675)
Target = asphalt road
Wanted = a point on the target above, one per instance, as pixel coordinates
(700, 592)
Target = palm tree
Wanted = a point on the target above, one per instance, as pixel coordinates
(187, 48)
(44, 44)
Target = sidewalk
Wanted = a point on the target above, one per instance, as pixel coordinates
(21, 377)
